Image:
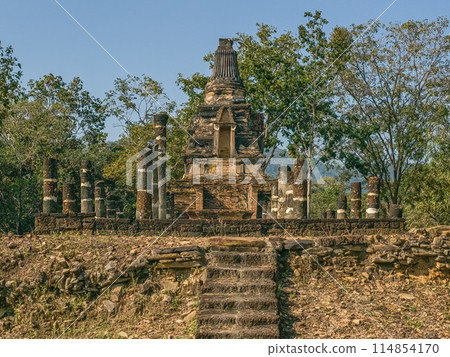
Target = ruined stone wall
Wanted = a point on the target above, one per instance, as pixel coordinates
(218, 197)
(415, 252)
(87, 223)
(411, 253)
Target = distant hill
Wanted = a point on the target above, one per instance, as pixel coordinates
(272, 169)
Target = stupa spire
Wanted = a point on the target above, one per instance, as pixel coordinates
(225, 62)
(225, 83)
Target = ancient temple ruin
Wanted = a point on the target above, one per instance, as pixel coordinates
(223, 191)
(224, 135)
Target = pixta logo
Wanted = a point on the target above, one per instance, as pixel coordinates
(211, 169)
(151, 169)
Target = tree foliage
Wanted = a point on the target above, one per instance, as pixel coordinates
(10, 75)
(426, 187)
(393, 98)
(53, 118)
(134, 101)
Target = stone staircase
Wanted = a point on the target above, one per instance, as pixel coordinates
(238, 299)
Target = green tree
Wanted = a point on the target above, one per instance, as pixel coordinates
(325, 196)
(10, 75)
(308, 131)
(134, 101)
(274, 78)
(393, 99)
(81, 114)
(426, 187)
(193, 87)
(55, 119)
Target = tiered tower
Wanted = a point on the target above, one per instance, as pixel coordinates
(224, 137)
(224, 126)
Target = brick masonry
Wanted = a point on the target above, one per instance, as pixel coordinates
(88, 223)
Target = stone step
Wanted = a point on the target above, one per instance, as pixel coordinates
(221, 248)
(226, 286)
(242, 318)
(264, 331)
(241, 259)
(238, 299)
(237, 244)
(238, 302)
(262, 272)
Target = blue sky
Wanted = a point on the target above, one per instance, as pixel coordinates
(162, 38)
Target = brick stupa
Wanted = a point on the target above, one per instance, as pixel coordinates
(225, 134)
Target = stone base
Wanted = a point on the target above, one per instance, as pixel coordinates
(219, 213)
(87, 223)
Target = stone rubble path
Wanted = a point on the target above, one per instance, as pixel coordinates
(238, 299)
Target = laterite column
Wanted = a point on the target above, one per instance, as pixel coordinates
(395, 211)
(160, 131)
(155, 190)
(300, 190)
(331, 214)
(69, 197)
(274, 199)
(50, 185)
(303, 201)
(373, 198)
(143, 194)
(355, 200)
(170, 205)
(342, 206)
(282, 190)
(100, 204)
(290, 195)
(87, 204)
(111, 207)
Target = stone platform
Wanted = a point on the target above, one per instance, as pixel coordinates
(88, 223)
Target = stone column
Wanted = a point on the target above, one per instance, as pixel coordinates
(266, 207)
(143, 194)
(395, 211)
(155, 193)
(87, 204)
(50, 185)
(303, 201)
(160, 131)
(373, 198)
(331, 214)
(342, 206)
(290, 196)
(111, 207)
(282, 190)
(199, 196)
(100, 204)
(119, 209)
(252, 200)
(114, 207)
(300, 191)
(170, 205)
(355, 200)
(274, 199)
(69, 197)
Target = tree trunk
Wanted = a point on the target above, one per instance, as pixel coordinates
(268, 158)
(308, 194)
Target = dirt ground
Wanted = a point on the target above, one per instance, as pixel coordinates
(316, 304)
(162, 304)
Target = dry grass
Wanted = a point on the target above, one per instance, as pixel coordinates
(406, 306)
(32, 306)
